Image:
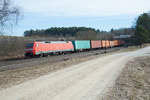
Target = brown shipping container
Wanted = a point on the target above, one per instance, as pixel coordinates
(111, 43)
(107, 43)
(96, 44)
(116, 43)
(103, 43)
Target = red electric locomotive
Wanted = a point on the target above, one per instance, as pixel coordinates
(41, 48)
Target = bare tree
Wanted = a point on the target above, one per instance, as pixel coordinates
(8, 13)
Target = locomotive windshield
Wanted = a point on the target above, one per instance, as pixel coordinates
(29, 45)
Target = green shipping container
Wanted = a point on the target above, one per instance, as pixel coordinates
(81, 44)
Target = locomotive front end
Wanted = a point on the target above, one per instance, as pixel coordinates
(29, 50)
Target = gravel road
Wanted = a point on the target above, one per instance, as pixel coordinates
(85, 81)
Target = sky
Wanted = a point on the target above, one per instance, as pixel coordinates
(99, 14)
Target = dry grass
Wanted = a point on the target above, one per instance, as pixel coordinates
(13, 47)
(133, 48)
(133, 83)
(130, 48)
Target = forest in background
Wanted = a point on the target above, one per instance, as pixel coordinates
(80, 33)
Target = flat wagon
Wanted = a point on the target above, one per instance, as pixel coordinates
(80, 45)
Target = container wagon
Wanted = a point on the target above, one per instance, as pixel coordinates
(96, 44)
(116, 43)
(107, 44)
(111, 44)
(103, 43)
(80, 45)
(49, 47)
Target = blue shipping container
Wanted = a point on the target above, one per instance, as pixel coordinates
(81, 44)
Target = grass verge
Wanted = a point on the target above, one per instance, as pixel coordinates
(133, 83)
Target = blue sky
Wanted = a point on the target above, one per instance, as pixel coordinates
(99, 14)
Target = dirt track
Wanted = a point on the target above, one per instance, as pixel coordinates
(84, 81)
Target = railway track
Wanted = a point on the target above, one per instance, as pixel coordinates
(21, 63)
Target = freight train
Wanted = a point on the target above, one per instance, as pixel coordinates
(53, 47)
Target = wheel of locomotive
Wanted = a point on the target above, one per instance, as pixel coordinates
(41, 55)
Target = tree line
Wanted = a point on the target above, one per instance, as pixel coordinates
(142, 29)
(83, 33)
(58, 31)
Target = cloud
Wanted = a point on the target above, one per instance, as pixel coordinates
(85, 7)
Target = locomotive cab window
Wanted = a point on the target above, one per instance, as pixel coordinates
(37, 45)
(29, 45)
